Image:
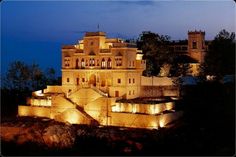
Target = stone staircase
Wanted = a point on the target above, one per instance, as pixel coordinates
(92, 120)
(99, 91)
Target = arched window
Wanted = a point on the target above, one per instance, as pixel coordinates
(77, 63)
(118, 61)
(91, 62)
(67, 61)
(103, 63)
(109, 63)
(82, 63)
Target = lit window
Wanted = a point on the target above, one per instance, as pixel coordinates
(118, 61)
(103, 63)
(67, 62)
(119, 80)
(109, 63)
(82, 63)
(91, 62)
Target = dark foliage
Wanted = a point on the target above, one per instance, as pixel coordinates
(18, 84)
(23, 77)
(156, 51)
(220, 59)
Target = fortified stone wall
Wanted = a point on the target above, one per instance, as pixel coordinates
(157, 81)
(142, 121)
(34, 111)
(159, 91)
(158, 87)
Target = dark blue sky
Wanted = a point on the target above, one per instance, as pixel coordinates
(34, 31)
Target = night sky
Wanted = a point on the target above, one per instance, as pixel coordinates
(34, 32)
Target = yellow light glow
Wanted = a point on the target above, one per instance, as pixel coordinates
(41, 102)
(154, 125)
(154, 109)
(115, 108)
(139, 56)
(38, 93)
(157, 109)
(134, 109)
(72, 118)
(169, 105)
(161, 123)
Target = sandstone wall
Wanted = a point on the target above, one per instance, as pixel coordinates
(158, 91)
(142, 120)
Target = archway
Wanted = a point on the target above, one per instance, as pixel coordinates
(92, 80)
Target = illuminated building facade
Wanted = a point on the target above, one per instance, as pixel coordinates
(109, 65)
(102, 84)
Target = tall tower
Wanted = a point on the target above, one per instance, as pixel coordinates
(196, 45)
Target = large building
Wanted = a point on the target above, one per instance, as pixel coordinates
(102, 84)
(109, 65)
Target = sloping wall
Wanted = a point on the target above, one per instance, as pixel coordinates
(84, 96)
(72, 116)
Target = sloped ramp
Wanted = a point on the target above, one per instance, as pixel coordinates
(74, 116)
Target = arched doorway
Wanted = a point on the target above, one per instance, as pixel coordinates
(92, 80)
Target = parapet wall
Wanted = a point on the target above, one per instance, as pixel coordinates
(158, 87)
(34, 111)
(159, 91)
(142, 120)
(157, 81)
(53, 89)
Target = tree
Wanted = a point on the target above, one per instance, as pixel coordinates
(220, 59)
(23, 77)
(156, 51)
(37, 77)
(51, 76)
(17, 76)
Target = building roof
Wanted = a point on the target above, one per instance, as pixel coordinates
(88, 34)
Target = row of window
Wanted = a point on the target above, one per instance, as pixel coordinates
(130, 63)
(83, 80)
(119, 80)
(77, 80)
(130, 80)
(117, 93)
(104, 63)
(131, 92)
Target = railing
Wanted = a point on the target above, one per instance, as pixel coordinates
(99, 91)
